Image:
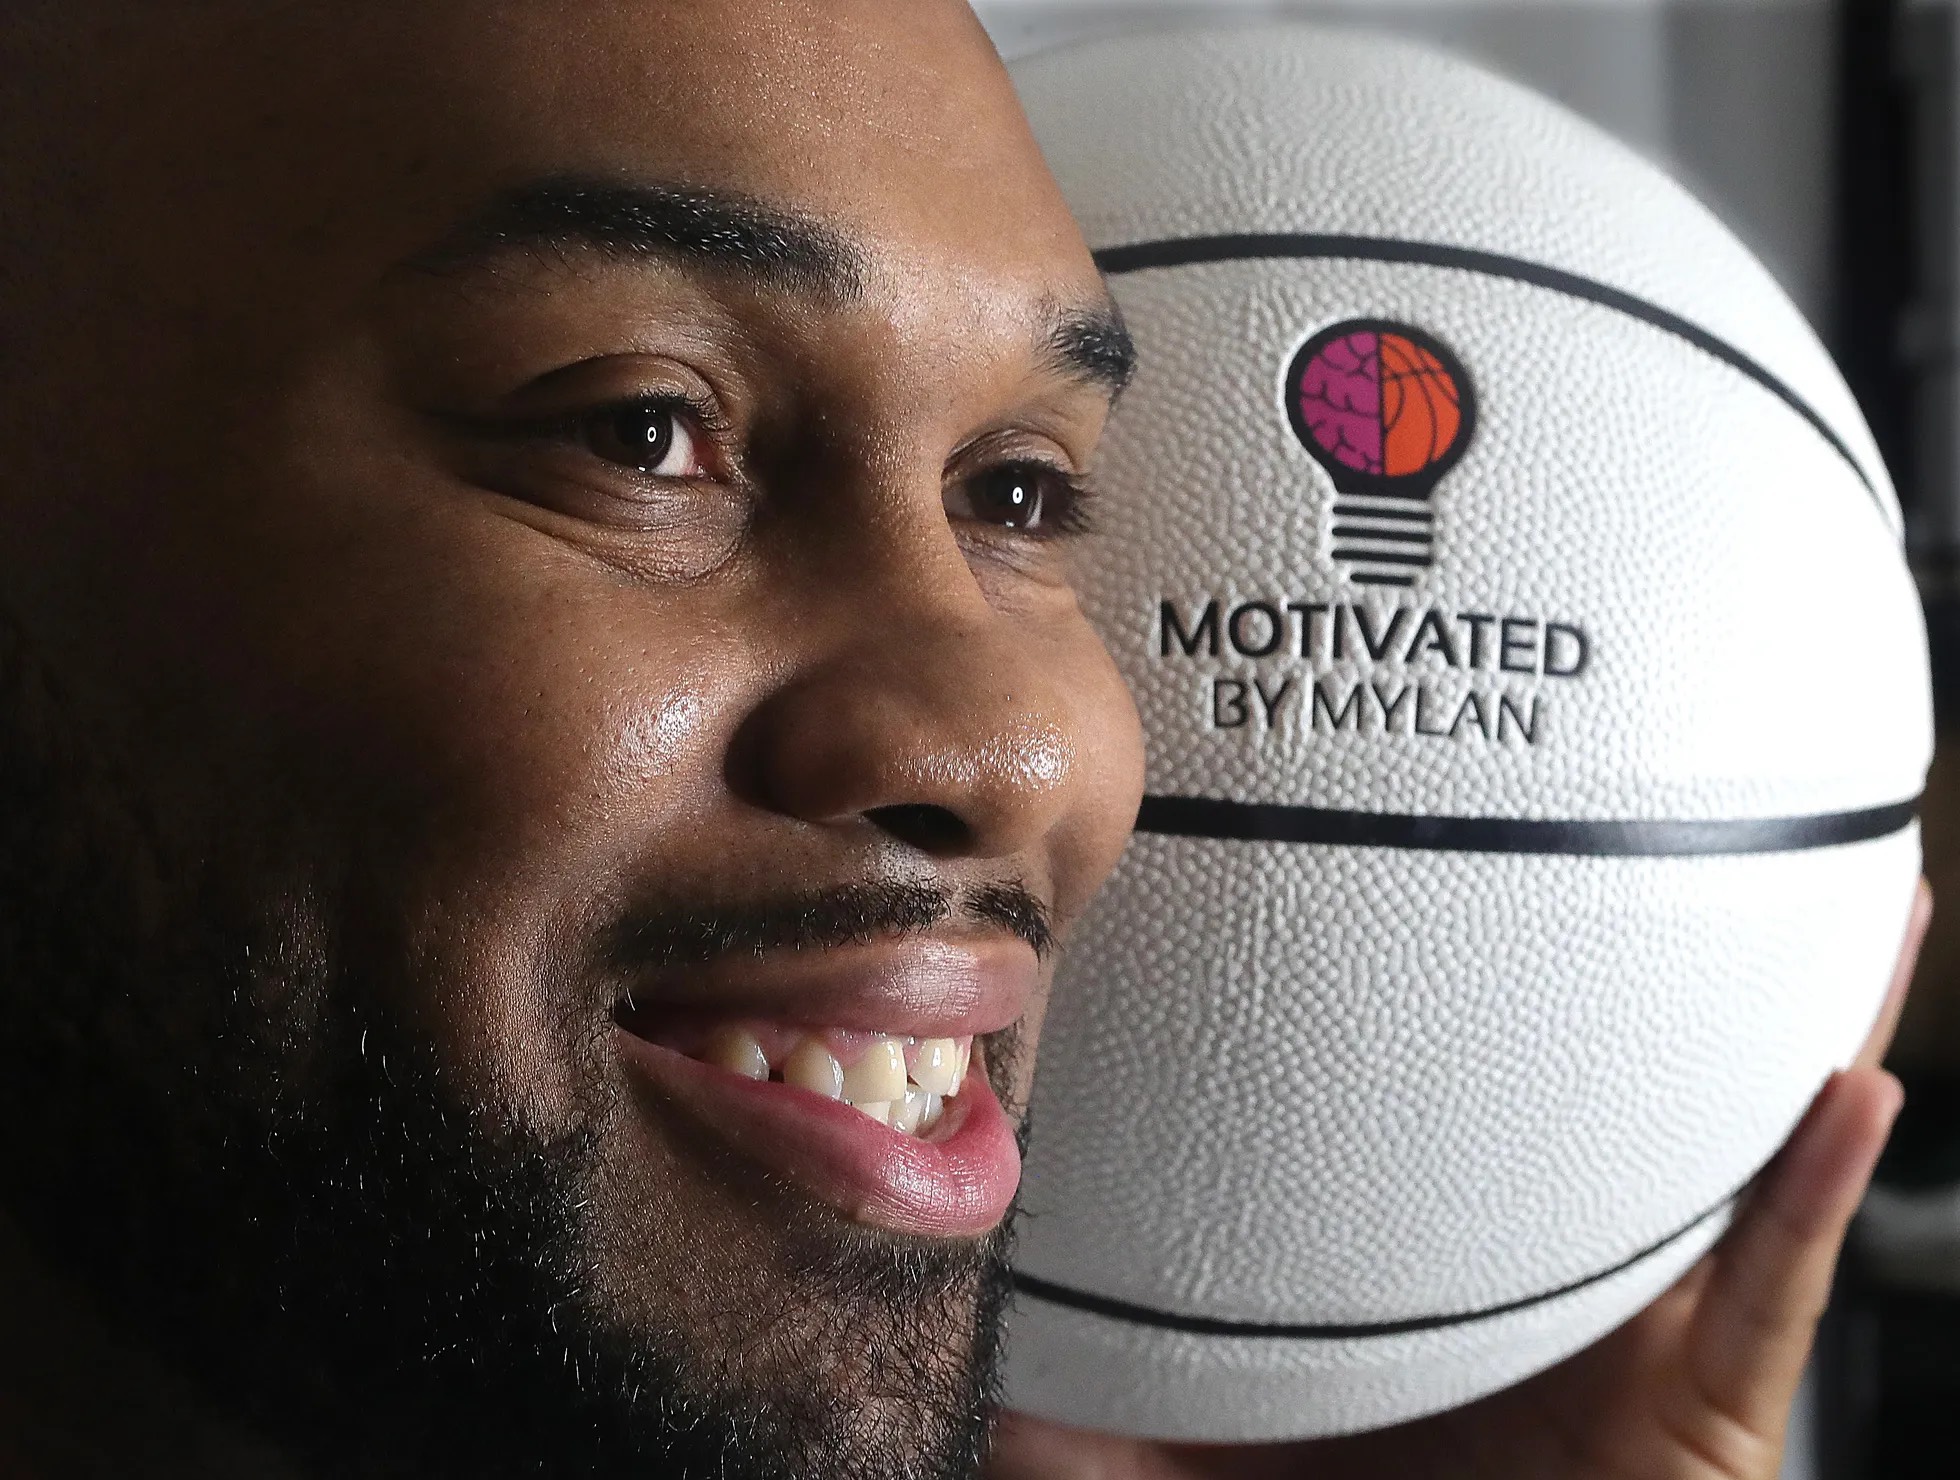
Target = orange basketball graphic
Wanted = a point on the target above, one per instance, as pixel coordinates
(1421, 409)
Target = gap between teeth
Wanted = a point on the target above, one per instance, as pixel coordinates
(878, 1083)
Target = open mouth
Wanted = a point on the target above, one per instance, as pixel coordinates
(901, 1080)
(858, 1074)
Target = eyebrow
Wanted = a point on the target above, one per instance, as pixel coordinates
(719, 229)
(1090, 344)
(734, 233)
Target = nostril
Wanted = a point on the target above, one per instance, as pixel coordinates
(929, 828)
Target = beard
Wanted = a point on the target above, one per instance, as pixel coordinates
(213, 1121)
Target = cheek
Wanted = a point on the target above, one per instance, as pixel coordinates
(526, 712)
(1109, 780)
(491, 731)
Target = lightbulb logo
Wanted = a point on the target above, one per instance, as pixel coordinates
(1388, 410)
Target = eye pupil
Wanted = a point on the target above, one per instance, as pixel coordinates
(645, 434)
(1010, 496)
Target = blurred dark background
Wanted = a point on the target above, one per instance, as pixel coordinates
(1827, 133)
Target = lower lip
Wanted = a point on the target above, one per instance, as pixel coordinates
(957, 1185)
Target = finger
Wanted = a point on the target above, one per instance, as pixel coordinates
(1879, 1042)
(1029, 1448)
(1772, 1274)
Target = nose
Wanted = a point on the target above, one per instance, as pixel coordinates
(934, 719)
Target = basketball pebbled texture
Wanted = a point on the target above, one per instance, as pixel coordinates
(1347, 1114)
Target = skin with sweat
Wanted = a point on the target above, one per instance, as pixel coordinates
(539, 537)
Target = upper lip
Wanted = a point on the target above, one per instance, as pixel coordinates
(928, 985)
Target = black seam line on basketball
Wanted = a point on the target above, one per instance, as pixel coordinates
(1204, 817)
(1143, 1315)
(1200, 250)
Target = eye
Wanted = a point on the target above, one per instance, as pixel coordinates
(1029, 496)
(658, 438)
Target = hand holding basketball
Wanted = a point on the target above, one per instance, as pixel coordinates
(1696, 1387)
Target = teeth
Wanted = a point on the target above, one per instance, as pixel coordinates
(879, 1075)
(877, 1084)
(736, 1050)
(813, 1067)
(935, 1069)
(908, 1112)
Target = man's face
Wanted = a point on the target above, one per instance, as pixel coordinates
(537, 588)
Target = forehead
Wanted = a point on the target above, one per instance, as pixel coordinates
(245, 142)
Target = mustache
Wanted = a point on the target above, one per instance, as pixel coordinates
(852, 914)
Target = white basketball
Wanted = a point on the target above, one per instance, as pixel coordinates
(1536, 701)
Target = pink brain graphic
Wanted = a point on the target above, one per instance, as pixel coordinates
(1341, 400)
